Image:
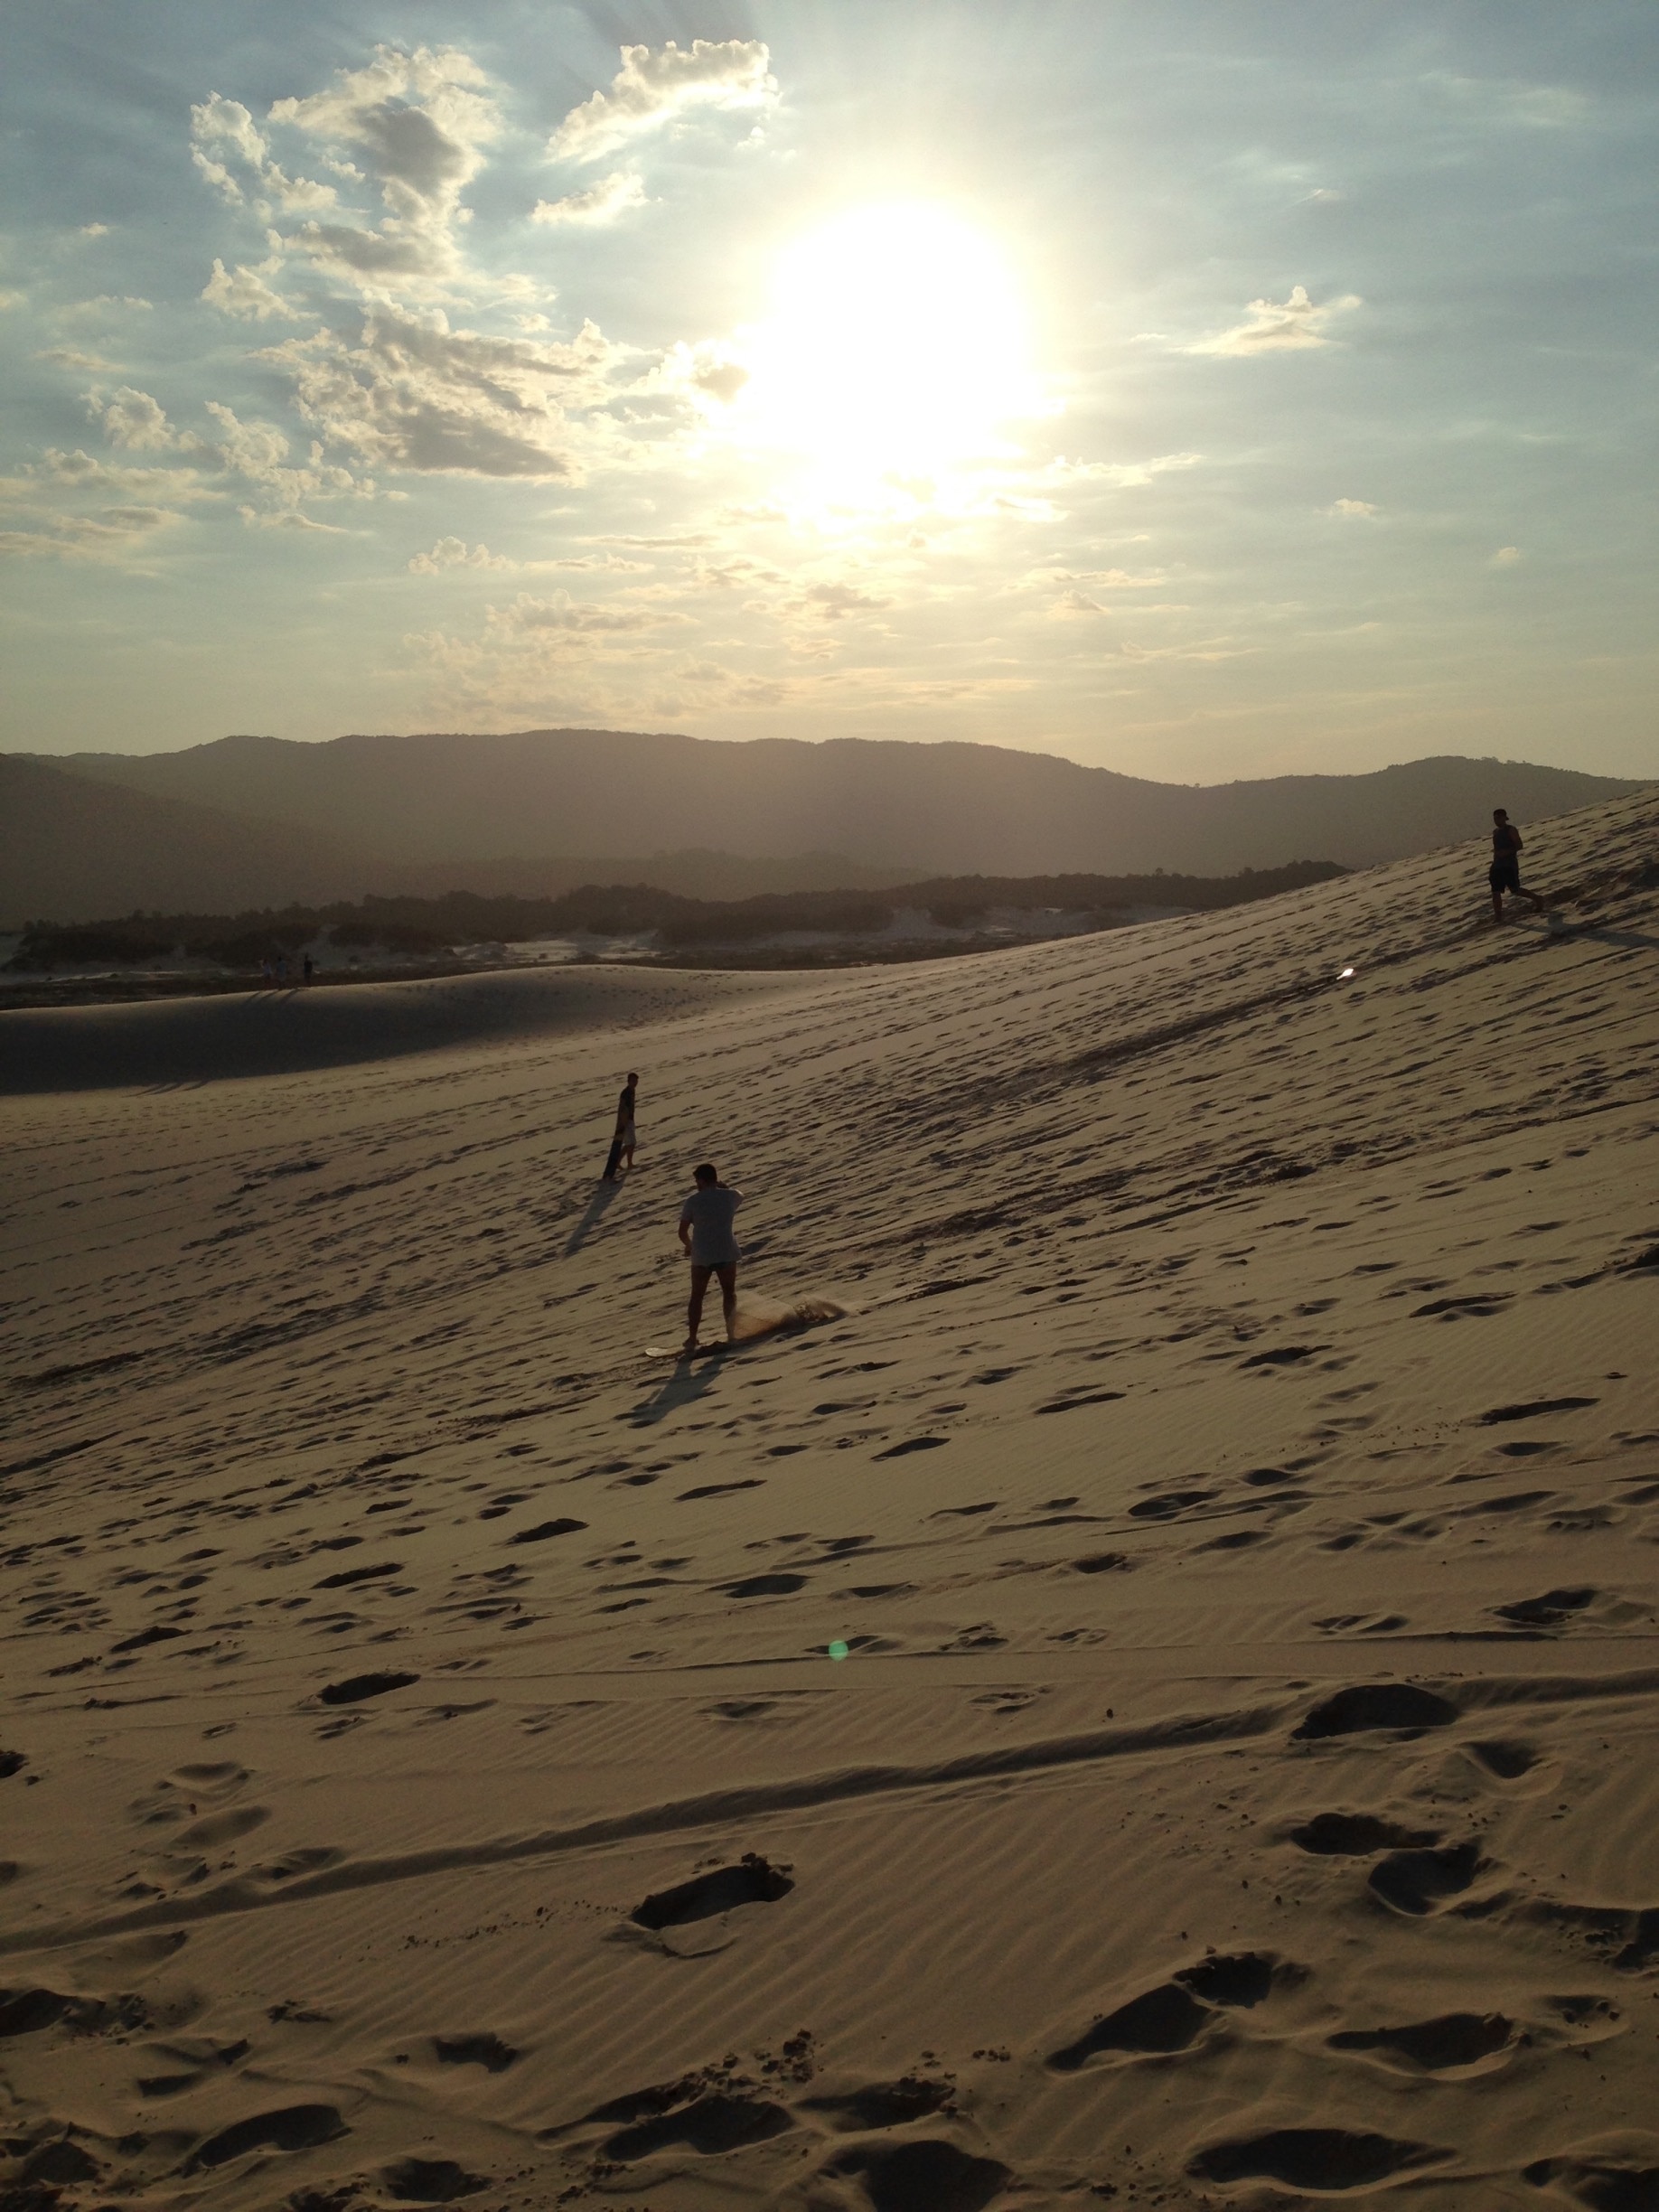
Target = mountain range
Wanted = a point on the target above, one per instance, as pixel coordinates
(250, 820)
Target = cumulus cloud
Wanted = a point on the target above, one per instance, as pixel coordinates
(1291, 325)
(707, 371)
(421, 122)
(454, 553)
(244, 292)
(601, 203)
(413, 394)
(1358, 509)
(222, 131)
(1506, 557)
(652, 89)
(133, 419)
(258, 453)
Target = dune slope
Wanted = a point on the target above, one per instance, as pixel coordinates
(1155, 1701)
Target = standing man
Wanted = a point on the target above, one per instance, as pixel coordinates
(707, 1240)
(1504, 873)
(623, 1139)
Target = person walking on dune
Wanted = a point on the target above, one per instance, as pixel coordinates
(622, 1137)
(707, 1240)
(1504, 873)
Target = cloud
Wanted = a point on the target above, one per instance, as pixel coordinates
(1506, 557)
(94, 230)
(601, 203)
(579, 617)
(421, 120)
(258, 453)
(413, 394)
(220, 131)
(72, 357)
(652, 89)
(1500, 99)
(707, 371)
(453, 553)
(244, 292)
(1361, 509)
(105, 303)
(1274, 327)
(109, 533)
(832, 602)
(133, 419)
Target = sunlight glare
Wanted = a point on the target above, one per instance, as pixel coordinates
(897, 349)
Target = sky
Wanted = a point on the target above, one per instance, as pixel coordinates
(1204, 389)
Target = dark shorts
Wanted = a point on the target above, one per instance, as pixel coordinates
(1505, 875)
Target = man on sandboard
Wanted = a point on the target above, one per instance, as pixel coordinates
(1504, 873)
(707, 1240)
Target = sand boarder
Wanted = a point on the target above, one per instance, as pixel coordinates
(1504, 873)
(622, 1137)
(706, 1237)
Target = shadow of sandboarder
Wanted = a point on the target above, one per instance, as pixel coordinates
(602, 1195)
(687, 1383)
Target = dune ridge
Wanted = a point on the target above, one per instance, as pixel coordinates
(1190, 1744)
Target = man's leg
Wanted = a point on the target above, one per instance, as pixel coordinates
(694, 1311)
(728, 1295)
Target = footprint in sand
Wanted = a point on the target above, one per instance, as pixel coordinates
(1177, 2014)
(356, 1687)
(294, 2127)
(416, 2181)
(486, 2050)
(882, 2104)
(1376, 1705)
(1416, 1882)
(922, 2176)
(1549, 1610)
(1356, 1835)
(1616, 2175)
(1331, 2159)
(1455, 2043)
(754, 1880)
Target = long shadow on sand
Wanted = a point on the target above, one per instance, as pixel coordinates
(686, 1383)
(596, 1206)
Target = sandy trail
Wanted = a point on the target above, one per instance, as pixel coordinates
(1233, 1483)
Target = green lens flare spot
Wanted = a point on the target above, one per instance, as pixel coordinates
(838, 1650)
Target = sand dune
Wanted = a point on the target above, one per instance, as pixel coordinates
(1229, 1494)
(282, 1032)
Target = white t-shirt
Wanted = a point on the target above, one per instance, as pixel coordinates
(709, 1212)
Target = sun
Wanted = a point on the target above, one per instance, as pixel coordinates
(897, 349)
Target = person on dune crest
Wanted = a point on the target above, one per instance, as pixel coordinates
(707, 1240)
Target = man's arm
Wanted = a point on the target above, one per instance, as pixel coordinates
(685, 1235)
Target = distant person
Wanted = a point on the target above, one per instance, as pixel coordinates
(282, 968)
(267, 973)
(622, 1137)
(1504, 873)
(308, 969)
(707, 1240)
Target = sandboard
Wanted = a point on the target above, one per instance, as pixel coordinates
(612, 1159)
